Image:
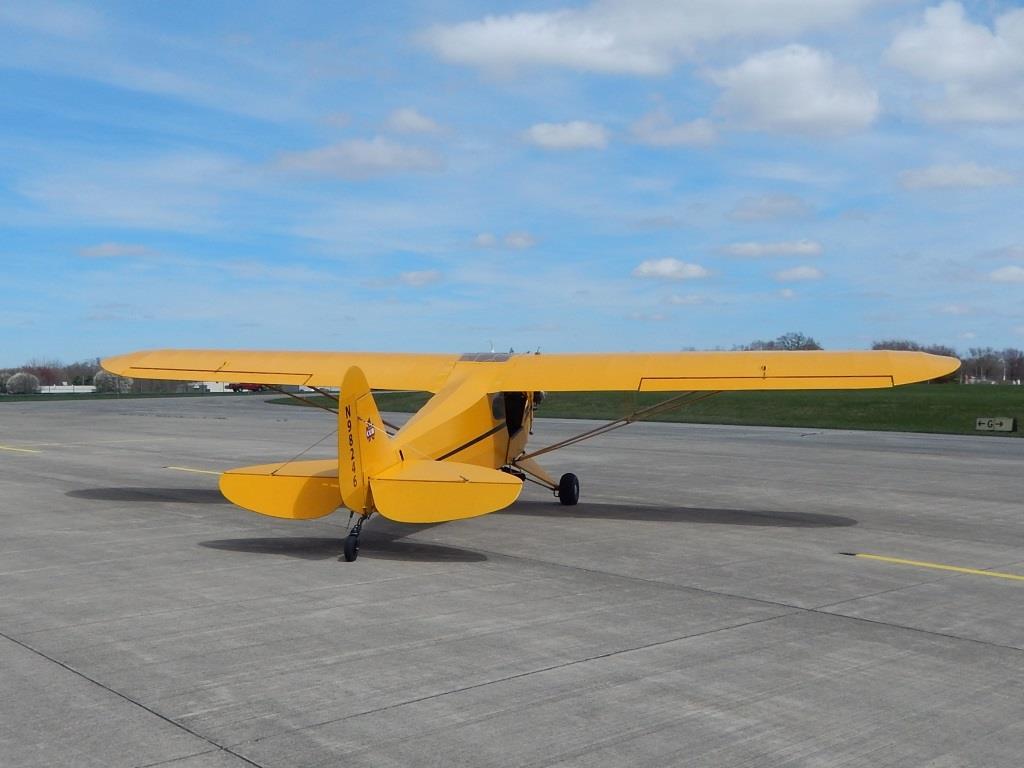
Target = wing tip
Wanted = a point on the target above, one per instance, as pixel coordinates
(120, 365)
(915, 367)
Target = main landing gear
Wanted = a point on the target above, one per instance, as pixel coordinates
(568, 489)
(351, 549)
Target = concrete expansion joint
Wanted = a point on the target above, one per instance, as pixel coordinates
(795, 608)
(918, 630)
(139, 704)
(171, 761)
(520, 675)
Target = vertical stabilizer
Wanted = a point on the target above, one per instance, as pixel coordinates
(364, 448)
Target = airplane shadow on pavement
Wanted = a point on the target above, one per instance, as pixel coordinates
(179, 495)
(626, 512)
(381, 540)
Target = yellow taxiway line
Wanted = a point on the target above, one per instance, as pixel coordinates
(18, 450)
(197, 471)
(938, 566)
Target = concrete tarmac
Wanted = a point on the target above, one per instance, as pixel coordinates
(693, 610)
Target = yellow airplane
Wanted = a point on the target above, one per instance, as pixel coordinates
(464, 453)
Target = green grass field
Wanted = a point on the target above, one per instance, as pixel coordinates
(103, 396)
(944, 408)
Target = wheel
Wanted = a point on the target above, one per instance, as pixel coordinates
(351, 548)
(569, 489)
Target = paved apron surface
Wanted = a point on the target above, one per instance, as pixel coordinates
(693, 610)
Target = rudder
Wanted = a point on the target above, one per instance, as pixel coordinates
(364, 448)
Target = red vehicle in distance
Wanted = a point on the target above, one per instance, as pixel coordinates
(246, 387)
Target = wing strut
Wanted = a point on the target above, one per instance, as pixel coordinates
(305, 400)
(679, 401)
(327, 395)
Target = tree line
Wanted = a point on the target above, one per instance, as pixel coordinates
(27, 379)
(979, 364)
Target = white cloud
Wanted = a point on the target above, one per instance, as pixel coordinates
(978, 104)
(516, 241)
(408, 120)
(787, 293)
(1015, 252)
(799, 274)
(174, 191)
(980, 70)
(768, 207)
(948, 47)
(113, 250)
(651, 184)
(419, 278)
(577, 134)
(337, 119)
(255, 270)
(954, 176)
(757, 250)
(519, 240)
(669, 269)
(49, 18)
(361, 158)
(1010, 274)
(800, 174)
(687, 300)
(796, 89)
(127, 53)
(648, 317)
(956, 310)
(657, 129)
(636, 37)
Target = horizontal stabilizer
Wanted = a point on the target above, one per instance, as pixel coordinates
(435, 491)
(300, 490)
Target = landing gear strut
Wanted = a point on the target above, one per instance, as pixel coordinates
(569, 489)
(351, 550)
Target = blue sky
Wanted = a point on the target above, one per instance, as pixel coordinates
(438, 176)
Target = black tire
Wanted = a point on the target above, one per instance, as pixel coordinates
(569, 489)
(351, 548)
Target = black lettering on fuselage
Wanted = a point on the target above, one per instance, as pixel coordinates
(351, 445)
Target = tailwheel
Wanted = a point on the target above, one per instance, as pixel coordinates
(569, 489)
(351, 548)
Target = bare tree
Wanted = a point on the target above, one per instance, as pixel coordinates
(1014, 361)
(983, 363)
(897, 345)
(906, 345)
(49, 372)
(788, 341)
(81, 372)
(940, 349)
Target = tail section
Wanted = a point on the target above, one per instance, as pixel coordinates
(370, 475)
(364, 448)
(374, 476)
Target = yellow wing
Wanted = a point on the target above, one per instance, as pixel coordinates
(384, 370)
(654, 372)
(713, 371)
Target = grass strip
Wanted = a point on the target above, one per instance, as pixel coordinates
(936, 408)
